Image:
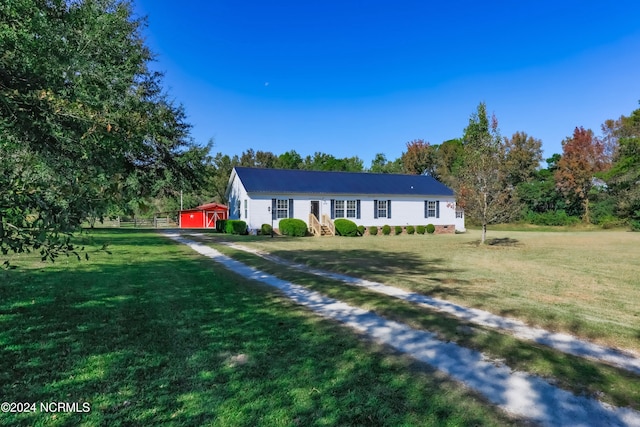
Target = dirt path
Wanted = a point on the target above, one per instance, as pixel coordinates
(562, 342)
(518, 393)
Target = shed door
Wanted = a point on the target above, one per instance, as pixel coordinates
(211, 219)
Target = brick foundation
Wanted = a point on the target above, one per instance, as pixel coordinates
(445, 229)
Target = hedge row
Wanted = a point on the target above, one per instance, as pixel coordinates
(386, 229)
(297, 227)
(231, 226)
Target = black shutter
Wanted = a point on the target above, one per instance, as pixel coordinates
(375, 209)
(426, 209)
(357, 209)
(290, 208)
(273, 210)
(388, 208)
(437, 208)
(333, 208)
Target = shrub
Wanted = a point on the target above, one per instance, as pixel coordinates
(293, 227)
(609, 221)
(431, 228)
(386, 230)
(266, 229)
(559, 217)
(411, 229)
(421, 229)
(603, 209)
(235, 226)
(398, 230)
(346, 227)
(373, 230)
(220, 225)
(361, 229)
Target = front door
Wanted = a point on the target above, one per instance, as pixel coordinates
(315, 208)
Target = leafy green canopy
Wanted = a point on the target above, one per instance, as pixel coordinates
(84, 122)
(624, 177)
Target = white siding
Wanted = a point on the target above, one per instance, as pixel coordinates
(404, 210)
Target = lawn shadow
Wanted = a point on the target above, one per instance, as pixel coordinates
(179, 340)
(431, 276)
(497, 242)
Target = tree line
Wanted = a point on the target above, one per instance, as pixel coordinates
(498, 179)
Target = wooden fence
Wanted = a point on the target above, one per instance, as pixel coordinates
(156, 222)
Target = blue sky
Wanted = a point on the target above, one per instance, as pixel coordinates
(356, 78)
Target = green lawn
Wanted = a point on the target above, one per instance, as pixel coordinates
(584, 283)
(583, 377)
(156, 335)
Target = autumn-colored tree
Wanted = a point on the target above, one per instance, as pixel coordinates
(582, 157)
(523, 157)
(419, 159)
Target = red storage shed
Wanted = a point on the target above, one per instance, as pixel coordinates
(203, 216)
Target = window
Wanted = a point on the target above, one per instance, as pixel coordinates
(432, 209)
(246, 209)
(345, 208)
(282, 208)
(382, 208)
(459, 213)
(339, 209)
(351, 208)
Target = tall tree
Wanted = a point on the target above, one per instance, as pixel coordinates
(380, 164)
(624, 176)
(582, 157)
(540, 194)
(612, 130)
(84, 122)
(327, 162)
(222, 167)
(420, 158)
(266, 159)
(449, 158)
(248, 158)
(523, 157)
(290, 160)
(482, 187)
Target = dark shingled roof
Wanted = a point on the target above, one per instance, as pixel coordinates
(256, 180)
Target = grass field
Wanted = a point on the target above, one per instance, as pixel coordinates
(577, 374)
(584, 283)
(156, 335)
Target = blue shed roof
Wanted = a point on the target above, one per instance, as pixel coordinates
(256, 180)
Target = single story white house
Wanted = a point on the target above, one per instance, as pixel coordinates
(264, 196)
